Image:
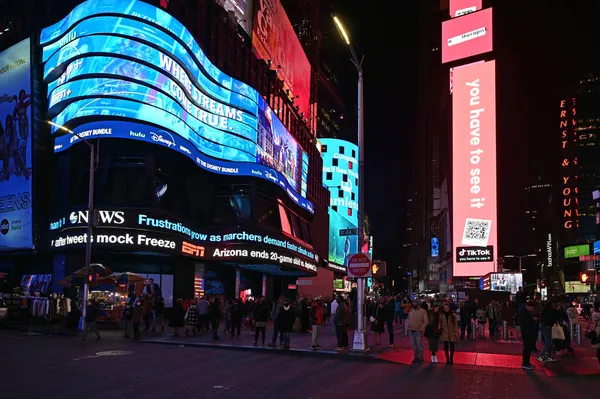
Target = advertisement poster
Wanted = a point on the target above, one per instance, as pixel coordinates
(15, 148)
(275, 40)
(474, 194)
(467, 36)
(461, 7)
(109, 67)
(340, 246)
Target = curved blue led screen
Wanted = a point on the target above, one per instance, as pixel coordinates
(130, 67)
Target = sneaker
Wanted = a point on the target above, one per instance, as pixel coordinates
(313, 347)
(435, 359)
(542, 358)
(390, 345)
(550, 359)
(339, 349)
(319, 347)
(527, 366)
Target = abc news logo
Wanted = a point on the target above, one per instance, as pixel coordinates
(4, 227)
(100, 217)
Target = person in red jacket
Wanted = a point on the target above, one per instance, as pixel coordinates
(316, 319)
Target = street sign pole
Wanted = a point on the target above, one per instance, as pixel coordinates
(359, 266)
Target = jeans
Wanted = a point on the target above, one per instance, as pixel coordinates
(341, 335)
(416, 340)
(215, 329)
(136, 330)
(528, 345)
(547, 334)
(275, 333)
(465, 328)
(493, 323)
(262, 331)
(287, 336)
(390, 328)
(398, 317)
(315, 335)
(91, 326)
(235, 327)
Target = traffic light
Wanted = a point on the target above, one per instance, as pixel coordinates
(543, 284)
(584, 278)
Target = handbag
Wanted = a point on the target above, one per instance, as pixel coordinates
(557, 332)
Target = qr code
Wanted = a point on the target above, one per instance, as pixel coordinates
(476, 232)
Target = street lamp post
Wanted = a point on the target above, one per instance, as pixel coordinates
(90, 219)
(360, 342)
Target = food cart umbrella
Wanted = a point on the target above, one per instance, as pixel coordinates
(78, 281)
(127, 278)
(95, 268)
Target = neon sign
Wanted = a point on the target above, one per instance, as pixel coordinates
(569, 187)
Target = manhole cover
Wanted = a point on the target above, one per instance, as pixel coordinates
(113, 353)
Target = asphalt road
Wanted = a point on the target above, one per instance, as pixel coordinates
(63, 367)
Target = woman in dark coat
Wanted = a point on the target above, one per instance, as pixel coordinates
(285, 321)
(177, 315)
(261, 320)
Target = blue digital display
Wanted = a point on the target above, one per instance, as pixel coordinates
(435, 247)
(149, 134)
(144, 66)
(340, 246)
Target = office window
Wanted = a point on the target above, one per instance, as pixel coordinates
(334, 208)
(341, 193)
(353, 154)
(329, 176)
(345, 178)
(356, 181)
(349, 211)
(334, 162)
(341, 150)
(323, 148)
(352, 196)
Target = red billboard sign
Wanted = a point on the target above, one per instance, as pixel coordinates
(359, 265)
(462, 7)
(474, 236)
(274, 40)
(467, 36)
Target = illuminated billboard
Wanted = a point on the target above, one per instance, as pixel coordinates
(576, 251)
(474, 235)
(505, 282)
(467, 36)
(340, 176)
(242, 11)
(15, 148)
(102, 62)
(461, 7)
(340, 246)
(274, 40)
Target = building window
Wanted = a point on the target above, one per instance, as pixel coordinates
(334, 208)
(349, 211)
(329, 176)
(344, 178)
(341, 193)
(356, 181)
(352, 196)
(324, 148)
(353, 153)
(334, 162)
(341, 150)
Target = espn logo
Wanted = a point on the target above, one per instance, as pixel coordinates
(191, 249)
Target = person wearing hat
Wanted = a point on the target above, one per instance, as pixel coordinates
(417, 322)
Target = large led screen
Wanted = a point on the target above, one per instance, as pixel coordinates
(340, 176)
(131, 61)
(274, 40)
(467, 36)
(15, 148)
(462, 7)
(340, 246)
(474, 207)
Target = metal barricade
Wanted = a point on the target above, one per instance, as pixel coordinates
(406, 328)
(473, 330)
(505, 330)
(578, 334)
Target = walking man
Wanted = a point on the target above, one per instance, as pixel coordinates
(417, 322)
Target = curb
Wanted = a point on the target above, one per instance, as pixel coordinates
(355, 356)
(41, 332)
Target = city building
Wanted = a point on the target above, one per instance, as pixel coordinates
(207, 176)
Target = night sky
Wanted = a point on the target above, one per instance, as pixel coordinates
(540, 52)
